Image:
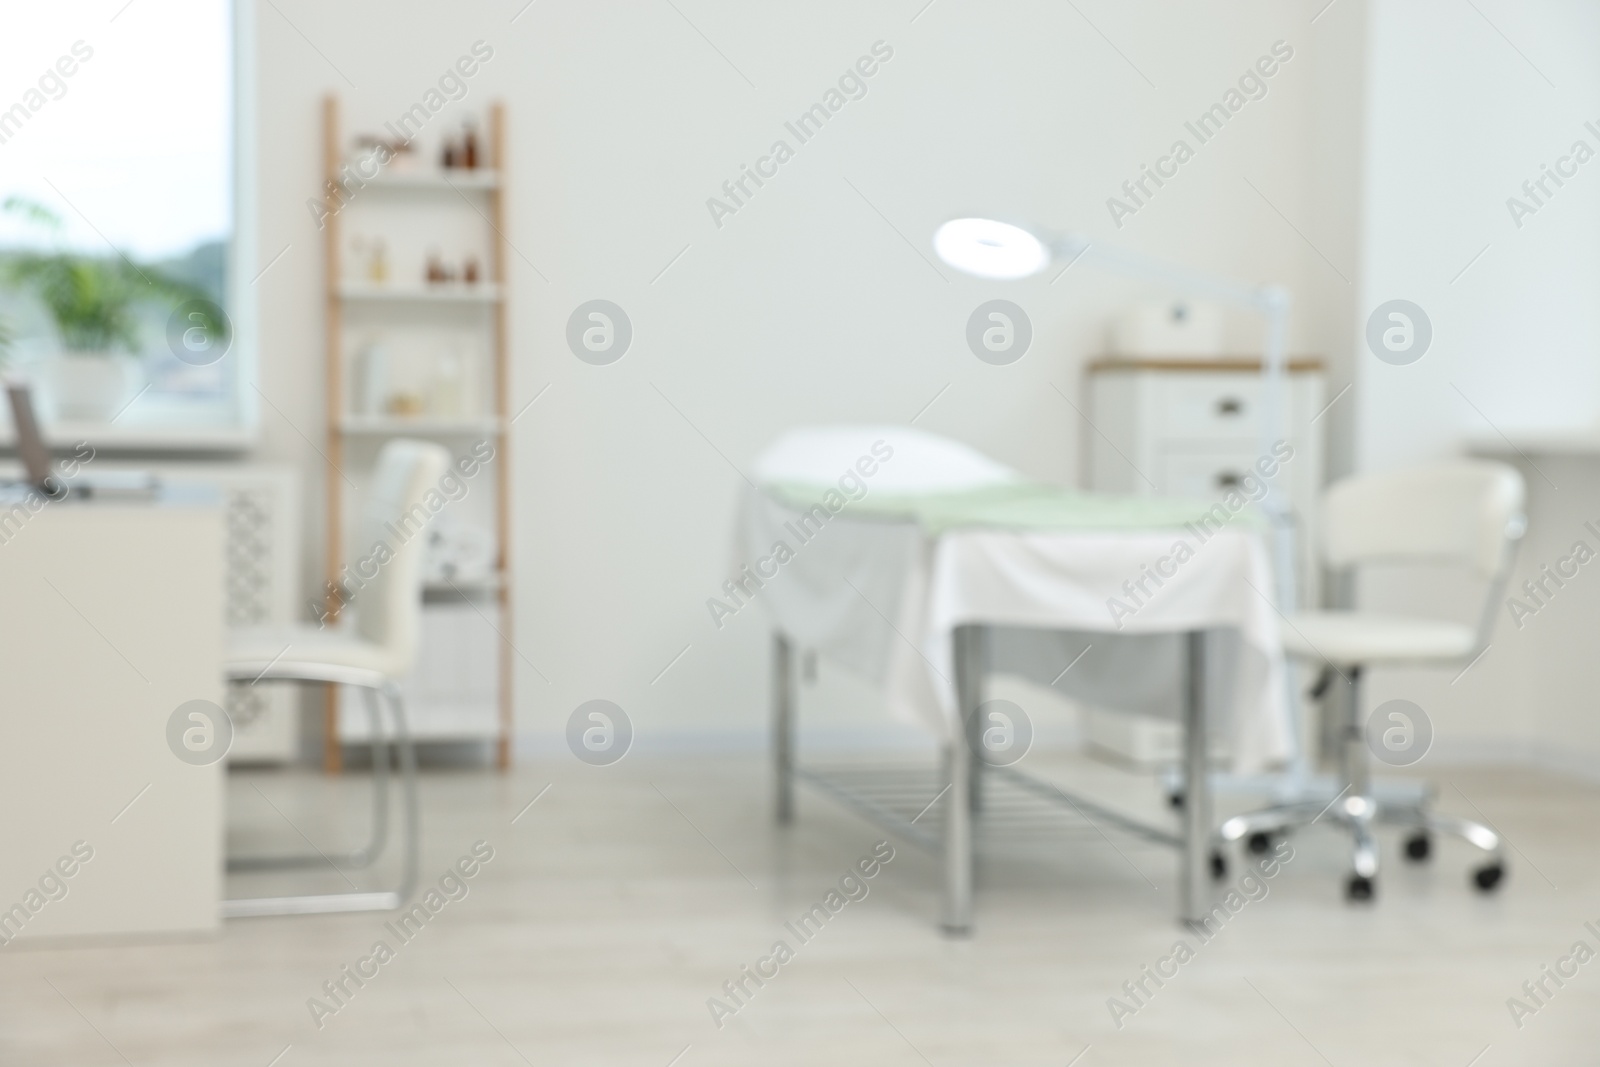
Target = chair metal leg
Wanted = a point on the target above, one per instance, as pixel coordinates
(383, 900)
(356, 858)
(1474, 833)
(411, 846)
(1364, 855)
(1267, 821)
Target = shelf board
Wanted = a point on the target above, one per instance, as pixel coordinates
(448, 180)
(488, 584)
(452, 293)
(399, 425)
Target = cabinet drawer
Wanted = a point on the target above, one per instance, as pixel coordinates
(1210, 406)
(1205, 476)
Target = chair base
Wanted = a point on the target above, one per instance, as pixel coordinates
(1358, 815)
(1360, 803)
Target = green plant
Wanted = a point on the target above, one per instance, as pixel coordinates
(93, 300)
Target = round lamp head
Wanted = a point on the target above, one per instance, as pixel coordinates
(990, 249)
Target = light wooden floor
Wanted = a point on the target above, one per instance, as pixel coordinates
(623, 899)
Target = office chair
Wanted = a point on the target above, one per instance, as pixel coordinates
(372, 655)
(1468, 514)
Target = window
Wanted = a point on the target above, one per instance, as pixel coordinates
(118, 154)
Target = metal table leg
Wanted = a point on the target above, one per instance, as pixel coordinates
(977, 667)
(783, 725)
(1195, 882)
(968, 642)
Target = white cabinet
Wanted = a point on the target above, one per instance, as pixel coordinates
(1192, 428)
(113, 622)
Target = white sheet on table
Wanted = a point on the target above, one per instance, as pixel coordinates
(881, 599)
(1062, 581)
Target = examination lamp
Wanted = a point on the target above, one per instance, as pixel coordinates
(990, 249)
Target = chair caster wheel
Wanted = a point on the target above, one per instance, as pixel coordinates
(1358, 888)
(1259, 842)
(1488, 877)
(1219, 866)
(1419, 846)
(1175, 801)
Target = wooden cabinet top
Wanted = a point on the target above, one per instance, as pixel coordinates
(1199, 364)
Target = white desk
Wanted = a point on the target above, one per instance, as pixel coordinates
(112, 617)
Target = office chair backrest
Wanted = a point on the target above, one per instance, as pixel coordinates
(402, 497)
(1464, 512)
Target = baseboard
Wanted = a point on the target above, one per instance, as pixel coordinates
(1531, 753)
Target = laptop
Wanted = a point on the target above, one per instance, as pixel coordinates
(122, 485)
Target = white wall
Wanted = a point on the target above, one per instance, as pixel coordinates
(814, 303)
(1457, 121)
(1460, 113)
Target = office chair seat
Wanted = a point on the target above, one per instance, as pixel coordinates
(299, 652)
(1350, 637)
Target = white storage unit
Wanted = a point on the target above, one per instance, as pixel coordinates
(1192, 427)
(113, 621)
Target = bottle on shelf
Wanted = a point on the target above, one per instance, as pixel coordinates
(449, 156)
(435, 273)
(447, 392)
(403, 157)
(469, 146)
(470, 270)
(378, 262)
(404, 404)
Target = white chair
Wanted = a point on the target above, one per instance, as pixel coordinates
(372, 655)
(1466, 514)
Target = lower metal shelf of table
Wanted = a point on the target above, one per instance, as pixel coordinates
(911, 801)
(948, 809)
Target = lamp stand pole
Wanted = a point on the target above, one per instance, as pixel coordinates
(1271, 302)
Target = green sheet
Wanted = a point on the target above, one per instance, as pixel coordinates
(1025, 506)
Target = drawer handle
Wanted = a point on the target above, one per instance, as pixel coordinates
(1230, 406)
(1229, 480)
